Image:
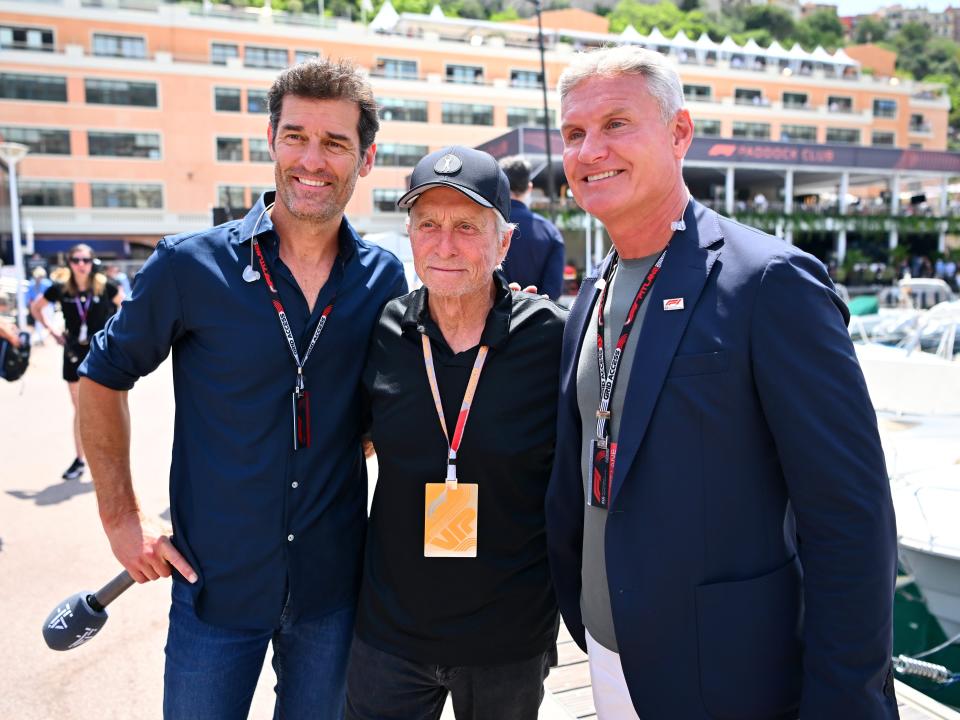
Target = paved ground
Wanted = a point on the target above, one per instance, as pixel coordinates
(53, 546)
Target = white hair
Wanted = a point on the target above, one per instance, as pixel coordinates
(663, 83)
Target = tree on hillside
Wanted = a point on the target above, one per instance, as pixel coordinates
(821, 27)
(666, 16)
(871, 30)
(775, 20)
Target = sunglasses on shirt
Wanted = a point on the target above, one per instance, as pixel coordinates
(80, 261)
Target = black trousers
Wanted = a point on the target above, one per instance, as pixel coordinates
(381, 686)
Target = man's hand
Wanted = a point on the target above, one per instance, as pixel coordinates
(144, 549)
(532, 289)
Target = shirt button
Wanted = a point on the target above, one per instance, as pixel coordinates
(294, 484)
(290, 537)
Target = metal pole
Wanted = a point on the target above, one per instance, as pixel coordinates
(12, 153)
(551, 191)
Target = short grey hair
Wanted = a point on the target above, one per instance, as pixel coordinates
(662, 80)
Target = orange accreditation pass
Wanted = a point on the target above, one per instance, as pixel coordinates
(450, 520)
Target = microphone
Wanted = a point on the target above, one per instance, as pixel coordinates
(79, 618)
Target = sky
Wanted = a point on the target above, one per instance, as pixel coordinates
(858, 7)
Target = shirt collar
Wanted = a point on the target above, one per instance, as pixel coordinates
(495, 331)
(257, 219)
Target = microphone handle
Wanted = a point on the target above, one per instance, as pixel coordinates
(110, 592)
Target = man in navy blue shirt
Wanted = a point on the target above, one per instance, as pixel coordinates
(268, 319)
(536, 252)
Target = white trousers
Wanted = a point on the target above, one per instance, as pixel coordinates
(611, 698)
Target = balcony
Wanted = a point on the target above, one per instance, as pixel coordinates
(922, 128)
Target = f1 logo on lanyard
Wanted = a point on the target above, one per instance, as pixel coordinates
(603, 451)
(300, 398)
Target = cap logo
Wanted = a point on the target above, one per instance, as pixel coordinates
(447, 165)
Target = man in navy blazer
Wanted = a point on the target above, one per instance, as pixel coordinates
(720, 528)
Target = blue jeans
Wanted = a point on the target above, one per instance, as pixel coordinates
(381, 686)
(211, 672)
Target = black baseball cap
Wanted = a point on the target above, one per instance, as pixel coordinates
(473, 172)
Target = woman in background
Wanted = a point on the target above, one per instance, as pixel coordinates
(87, 300)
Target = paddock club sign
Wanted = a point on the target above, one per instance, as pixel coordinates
(750, 152)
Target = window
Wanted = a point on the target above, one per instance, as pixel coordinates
(397, 69)
(845, 136)
(226, 99)
(220, 53)
(798, 133)
(748, 96)
(26, 38)
(117, 144)
(403, 110)
(398, 155)
(702, 93)
(41, 141)
(231, 196)
(229, 149)
(796, 101)
(885, 108)
(525, 79)
(265, 57)
(260, 152)
(753, 131)
(882, 138)
(46, 193)
(126, 195)
(257, 190)
(385, 200)
(466, 114)
(257, 101)
(300, 56)
(919, 124)
(125, 46)
(465, 74)
(839, 104)
(518, 116)
(120, 92)
(706, 128)
(17, 86)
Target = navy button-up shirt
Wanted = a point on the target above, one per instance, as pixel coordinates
(263, 525)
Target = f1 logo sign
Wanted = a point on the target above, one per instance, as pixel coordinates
(673, 304)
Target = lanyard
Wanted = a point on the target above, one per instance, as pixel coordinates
(454, 444)
(82, 310)
(285, 323)
(608, 378)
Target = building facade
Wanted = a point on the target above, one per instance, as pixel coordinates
(142, 117)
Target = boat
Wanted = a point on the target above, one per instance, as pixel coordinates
(927, 506)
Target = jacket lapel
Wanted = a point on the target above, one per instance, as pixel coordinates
(685, 271)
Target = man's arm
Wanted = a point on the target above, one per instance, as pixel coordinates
(816, 404)
(140, 545)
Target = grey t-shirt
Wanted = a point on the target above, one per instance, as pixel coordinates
(595, 593)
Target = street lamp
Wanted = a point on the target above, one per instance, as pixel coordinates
(551, 192)
(11, 154)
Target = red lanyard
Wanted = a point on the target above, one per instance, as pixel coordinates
(608, 378)
(454, 444)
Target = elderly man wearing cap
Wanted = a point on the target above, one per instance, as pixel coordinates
(461, 381)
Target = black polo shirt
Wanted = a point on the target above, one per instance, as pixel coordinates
(498, 607)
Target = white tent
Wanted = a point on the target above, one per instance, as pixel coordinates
(436, 13)
(386, 19)
(630, 34)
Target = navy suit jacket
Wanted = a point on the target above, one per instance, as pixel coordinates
(750, 541)
(536, 253)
